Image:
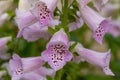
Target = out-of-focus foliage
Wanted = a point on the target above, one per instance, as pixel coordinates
(71, 71)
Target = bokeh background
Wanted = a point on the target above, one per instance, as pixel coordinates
(71, 71)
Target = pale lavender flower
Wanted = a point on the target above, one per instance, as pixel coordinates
(98, 24)
(36, 19)
(96, 58)
(57, 53)
(3, 48)
(18, 67)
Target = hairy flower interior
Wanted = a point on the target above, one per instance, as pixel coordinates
(58, 52)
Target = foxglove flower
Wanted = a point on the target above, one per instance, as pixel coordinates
(57, 53)
(97, 23)
(3, 48)
(21, 66)
(36, 19)
(96, 58)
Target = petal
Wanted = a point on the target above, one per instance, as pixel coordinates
(103, 28)
(24, 20)
(59, 36)
(34, 32)
(32, 63)
(96, 58)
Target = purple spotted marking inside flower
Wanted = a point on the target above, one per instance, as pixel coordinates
(58, 51)
(43, 14)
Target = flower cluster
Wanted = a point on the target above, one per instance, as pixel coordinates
(36, 19)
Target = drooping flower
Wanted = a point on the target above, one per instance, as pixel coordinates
(57, 53)
(98, 24)
(19, 67)
(3, 48)
(96, 58)
(35, 19)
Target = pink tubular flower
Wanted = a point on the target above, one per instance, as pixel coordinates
(35, 19)
(97, 23)
(57, 53)
(96, 58)
(19, 67)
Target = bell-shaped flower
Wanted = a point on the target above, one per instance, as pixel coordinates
(3, 48)
(96, 58)
(98, 24)
(57, 53)
(36, 18)
(18, 67)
